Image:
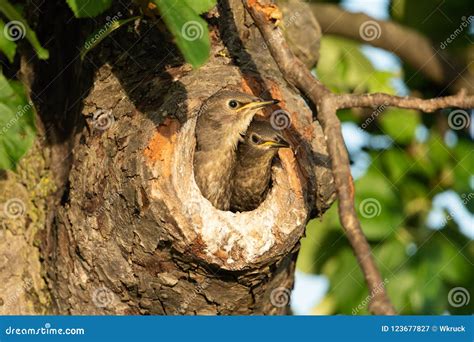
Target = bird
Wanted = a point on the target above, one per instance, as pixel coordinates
(252, 173)
(221, 123)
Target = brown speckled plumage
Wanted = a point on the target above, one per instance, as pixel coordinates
(219, 129)
(252, 175)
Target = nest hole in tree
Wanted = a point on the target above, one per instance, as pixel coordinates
(231, 241)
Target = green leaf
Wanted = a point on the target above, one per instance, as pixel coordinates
(7, 46)
(200, 6)
(344, 68)
(100, 34)
(348, 289)
(325, 233)
(438, 151)
(189, 30)
(400, 124)
(454, 265)
(463, 165)
(378, 205)
(88, 8)
(391, 254)
(17, 127)
(380, 81)
(396, 163)
(17, 28)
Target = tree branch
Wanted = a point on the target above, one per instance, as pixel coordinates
(460, 100)
(408, 44)
(262, 12)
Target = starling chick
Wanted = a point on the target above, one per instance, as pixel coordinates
(253, 169)
(222, 121)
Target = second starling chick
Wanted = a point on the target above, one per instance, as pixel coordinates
(253, 170)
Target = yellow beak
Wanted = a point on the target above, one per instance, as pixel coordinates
(257, 104)
(276, 144)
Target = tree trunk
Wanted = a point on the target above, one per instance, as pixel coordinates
(127, 230)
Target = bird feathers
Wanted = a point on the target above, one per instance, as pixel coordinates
(222, 120)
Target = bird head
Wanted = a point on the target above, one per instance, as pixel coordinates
(233, 105)
(263, 136)
(225, 116)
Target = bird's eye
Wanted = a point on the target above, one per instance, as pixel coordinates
(255, 138)
(233, 104)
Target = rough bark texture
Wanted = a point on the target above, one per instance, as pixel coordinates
(30, 195)
(131, 234)
(23, 214)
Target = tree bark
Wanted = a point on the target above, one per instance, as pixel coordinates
(131, 232)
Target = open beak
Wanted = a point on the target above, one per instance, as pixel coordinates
(257, 104)
(276, 143)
